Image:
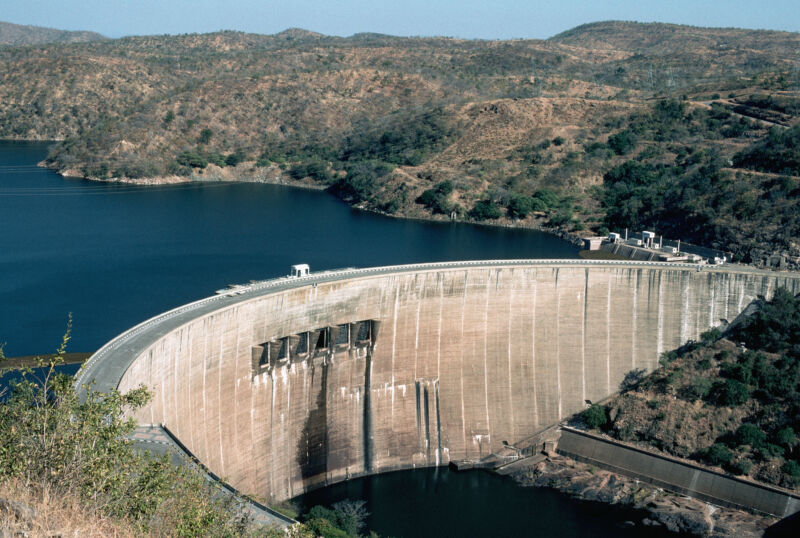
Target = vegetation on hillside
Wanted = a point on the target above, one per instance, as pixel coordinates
(679, 182)
(779, 153)
(17, 35)
(607, 125)
(731, 401)
(345, 519)
(55, 445)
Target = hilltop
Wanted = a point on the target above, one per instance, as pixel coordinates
(608, 125)
(18, 35)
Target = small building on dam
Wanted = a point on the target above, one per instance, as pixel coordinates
(294, 383)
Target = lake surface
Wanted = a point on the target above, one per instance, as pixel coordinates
(115, 255)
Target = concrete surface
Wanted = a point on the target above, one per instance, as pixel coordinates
(677, 475)
(463, 356)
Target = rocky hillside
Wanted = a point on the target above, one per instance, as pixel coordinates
(526, 131)
(732, 402)
(18, 35)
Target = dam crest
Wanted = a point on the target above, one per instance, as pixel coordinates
(291, 384)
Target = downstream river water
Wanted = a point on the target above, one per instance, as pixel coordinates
(114, 255)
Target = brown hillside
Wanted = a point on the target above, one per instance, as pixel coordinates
(498, 120)
(18, 35)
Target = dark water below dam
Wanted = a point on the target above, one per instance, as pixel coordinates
(437, 502)
(115, 254)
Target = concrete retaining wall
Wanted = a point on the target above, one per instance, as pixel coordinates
(676, 475)
(464, 357)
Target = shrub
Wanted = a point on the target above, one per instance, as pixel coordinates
(485, 209)
(718, 454)
(52, 440)
(596, 416)
(750, 434)
(436, 199)
(741, 467)
(347, 518)
(711, 335)
(732, 393)
(192, 159)
(520, 206)
(216, 158)
(235, 158)
(623, 142)
(787, 437)
(698, 388)
(361, 181)
(547, 199)
(792, 468)
(315, 169)
(205, 136)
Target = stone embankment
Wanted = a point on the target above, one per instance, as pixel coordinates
(676, 513)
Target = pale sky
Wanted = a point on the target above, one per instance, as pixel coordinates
(484, 19)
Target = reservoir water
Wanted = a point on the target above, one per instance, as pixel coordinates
(114, 255)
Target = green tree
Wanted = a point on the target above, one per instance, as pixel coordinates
(596, 416)
(622, 143)
(732, 393)
(485, 209)
(718, 454)
(787, 437)
(750, 434)
(205, 136)
(437, 198)
(193, 159)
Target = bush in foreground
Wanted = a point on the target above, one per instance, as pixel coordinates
(53, 444)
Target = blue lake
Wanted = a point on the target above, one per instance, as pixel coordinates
(115, 254)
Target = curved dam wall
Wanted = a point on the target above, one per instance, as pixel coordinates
(332, 378)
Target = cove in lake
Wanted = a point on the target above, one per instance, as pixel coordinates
(115, 254)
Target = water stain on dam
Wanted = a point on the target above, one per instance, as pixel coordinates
(312, 447)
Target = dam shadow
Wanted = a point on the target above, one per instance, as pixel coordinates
(313, 445)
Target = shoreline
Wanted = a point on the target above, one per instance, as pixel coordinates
(32, 361)
(264, 176)
(274, 179)
(675, 512)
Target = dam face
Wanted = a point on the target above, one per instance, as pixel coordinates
(375, 370)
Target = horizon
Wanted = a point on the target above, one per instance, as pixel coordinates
(467, 19)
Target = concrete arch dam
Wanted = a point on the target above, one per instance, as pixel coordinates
(294, 383)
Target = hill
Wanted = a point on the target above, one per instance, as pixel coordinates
(19, 35)
(662, 39)
(524, 132)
